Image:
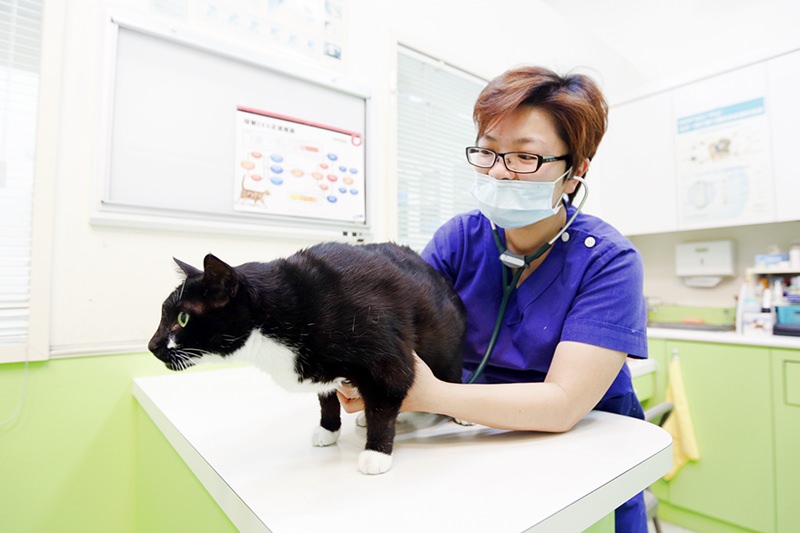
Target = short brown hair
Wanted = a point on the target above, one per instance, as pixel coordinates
(574, 101)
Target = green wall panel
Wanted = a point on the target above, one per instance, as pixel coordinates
(82, 456)
(169, 497)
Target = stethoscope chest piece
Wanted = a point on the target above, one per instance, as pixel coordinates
(512, 260)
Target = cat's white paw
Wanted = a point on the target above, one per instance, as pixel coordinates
(462, 422)
(372, 462)
(361, 419)
(324, 437)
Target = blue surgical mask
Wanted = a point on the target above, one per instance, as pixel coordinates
(512, 203)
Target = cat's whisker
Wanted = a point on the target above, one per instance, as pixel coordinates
(231, 340)
(189, 352)
(182, 360)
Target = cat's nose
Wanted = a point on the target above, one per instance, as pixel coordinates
(158, 348)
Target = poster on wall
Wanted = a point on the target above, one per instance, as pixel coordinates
(286, 166)
(309, 28)
(724, 165)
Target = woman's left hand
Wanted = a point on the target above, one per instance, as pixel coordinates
(424, 380)
(351, 400)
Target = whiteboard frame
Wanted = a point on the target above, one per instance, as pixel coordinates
(106, 213)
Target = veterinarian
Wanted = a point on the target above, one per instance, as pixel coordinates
(574, 309)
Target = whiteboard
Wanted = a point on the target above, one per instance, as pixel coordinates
(172, 124)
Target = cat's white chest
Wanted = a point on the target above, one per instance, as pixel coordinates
(280, 362)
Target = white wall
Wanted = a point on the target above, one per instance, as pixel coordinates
(107, 284)
(661, 284)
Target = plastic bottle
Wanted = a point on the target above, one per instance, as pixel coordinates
(778, 294)
(750, 299)
(766, 301)
(794, 256)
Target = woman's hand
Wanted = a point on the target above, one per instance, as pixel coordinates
(418, 396)
(351, 400)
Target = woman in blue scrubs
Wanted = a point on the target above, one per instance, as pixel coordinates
(577, 311)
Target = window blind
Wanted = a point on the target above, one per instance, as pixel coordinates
(20, 38)
(434, 106)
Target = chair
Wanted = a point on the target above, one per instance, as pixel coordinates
(657, 414)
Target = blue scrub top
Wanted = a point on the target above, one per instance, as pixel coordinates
(588, 289)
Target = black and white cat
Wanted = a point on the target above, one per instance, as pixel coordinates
(329, 314)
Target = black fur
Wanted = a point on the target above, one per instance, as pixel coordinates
(353, 312)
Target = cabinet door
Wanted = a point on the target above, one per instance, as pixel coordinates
(729, 394)
(784, 113)
(657, 351)
(786, 380)
(632, 177)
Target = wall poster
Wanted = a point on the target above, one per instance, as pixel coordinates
(286, 166)
(724, 165)
(309, 28)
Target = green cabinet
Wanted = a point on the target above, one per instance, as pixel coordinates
(657, 351)
(786, 396)
(729, 392)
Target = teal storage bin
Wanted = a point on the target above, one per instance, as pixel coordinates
(788, 314)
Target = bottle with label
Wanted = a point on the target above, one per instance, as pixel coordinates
(749, 302)
(794, 256)
(778, 294)
(766, 301)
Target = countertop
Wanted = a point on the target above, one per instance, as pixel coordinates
(725, 337)
(249, 444)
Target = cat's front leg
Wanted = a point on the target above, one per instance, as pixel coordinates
(377, 455)
(330, 422)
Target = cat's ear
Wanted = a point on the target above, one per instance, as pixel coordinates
(220, 275)
(187, 269)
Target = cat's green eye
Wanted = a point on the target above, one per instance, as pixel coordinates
(183, 319)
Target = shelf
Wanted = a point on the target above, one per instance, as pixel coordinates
(764, 271)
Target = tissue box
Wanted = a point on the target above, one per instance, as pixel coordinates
(788, 314)
(772, 260)
(757, 323)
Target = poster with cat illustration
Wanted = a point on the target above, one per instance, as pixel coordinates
(288, 166)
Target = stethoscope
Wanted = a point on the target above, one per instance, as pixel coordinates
(516, 264)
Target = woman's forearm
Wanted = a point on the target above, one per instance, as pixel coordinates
(517, 406)
(555, 405)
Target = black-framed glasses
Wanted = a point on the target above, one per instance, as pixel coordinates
(518, 162)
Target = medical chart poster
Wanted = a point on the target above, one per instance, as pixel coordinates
(724, 165)
(289, 167)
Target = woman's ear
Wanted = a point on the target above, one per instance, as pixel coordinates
(579, 171)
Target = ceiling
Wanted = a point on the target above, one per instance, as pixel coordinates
(628, 46)
(662, 39)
